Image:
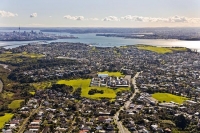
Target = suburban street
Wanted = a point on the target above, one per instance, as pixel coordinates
(121, 128)
(23, 126)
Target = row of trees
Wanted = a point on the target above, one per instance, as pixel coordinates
(93, 91)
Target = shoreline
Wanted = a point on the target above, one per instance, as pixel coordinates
(116, 42)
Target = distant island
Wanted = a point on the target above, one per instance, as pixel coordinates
(152, 36)
(188, 34)
(31, 36)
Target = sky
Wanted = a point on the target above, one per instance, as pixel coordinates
(100, 13)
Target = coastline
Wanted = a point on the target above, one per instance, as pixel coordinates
(100, 41)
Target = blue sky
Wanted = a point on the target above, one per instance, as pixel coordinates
(100, 13)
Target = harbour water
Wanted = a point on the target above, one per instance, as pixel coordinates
(101, 41)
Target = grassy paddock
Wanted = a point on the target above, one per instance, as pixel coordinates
(160, 50)
(167, 97)
(84, 84)
(115, 74)
(4, 119)
(15, 104)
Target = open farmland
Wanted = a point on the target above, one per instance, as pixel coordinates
(84, 84)
(160, 50)
(167, 97)
(15, 104)
(5, 118)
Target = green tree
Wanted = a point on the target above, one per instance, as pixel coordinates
(181, 121)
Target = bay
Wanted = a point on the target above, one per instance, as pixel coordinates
(101, 41)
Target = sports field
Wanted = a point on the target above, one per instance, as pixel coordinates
(167, 97)
(84, 84)
(160, 50)
(4, 119)
(15, 104)
(115, 74)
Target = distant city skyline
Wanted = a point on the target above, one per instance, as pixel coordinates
(100, 13)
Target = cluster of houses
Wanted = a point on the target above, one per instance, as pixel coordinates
(56, 111)
(109, 81)
(145, 114)
(177, 73)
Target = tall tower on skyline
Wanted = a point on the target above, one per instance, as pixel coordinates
(19, 32)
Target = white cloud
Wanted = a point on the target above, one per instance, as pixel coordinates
(35, 24)
(50, 16)
(173, 19)
(94, 19)
(111, 18)
(7, 14)
(74, 17)
(33, 15)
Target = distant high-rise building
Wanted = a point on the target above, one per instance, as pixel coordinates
(19, 32)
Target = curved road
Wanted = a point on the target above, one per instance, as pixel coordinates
(1, 83)
(1, 86)
(5, 66)
(121, 128)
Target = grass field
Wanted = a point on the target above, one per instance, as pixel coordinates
(15, 104)
(4, 119)
(32, 92)
(84, 84)
(17, 57)
(7, 95)
(116, 74)
(42, 85)
(167, 97)
(160, 50)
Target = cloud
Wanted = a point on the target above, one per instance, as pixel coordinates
(74, 17)
(178, 19)
(35, 24)
(50, 16)
(111, 18)
(7, 14)
(94, 19)
(33, 15)
(173, 19)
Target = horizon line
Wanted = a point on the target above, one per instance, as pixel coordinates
(92, 27)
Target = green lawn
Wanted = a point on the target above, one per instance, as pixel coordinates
(15, 104)
(160, 50)
(115, 74)
(32, 92)
(84, 84)
(42, 85)
(7, 95)
(4, 119)
(167, 97)
(31, 55)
